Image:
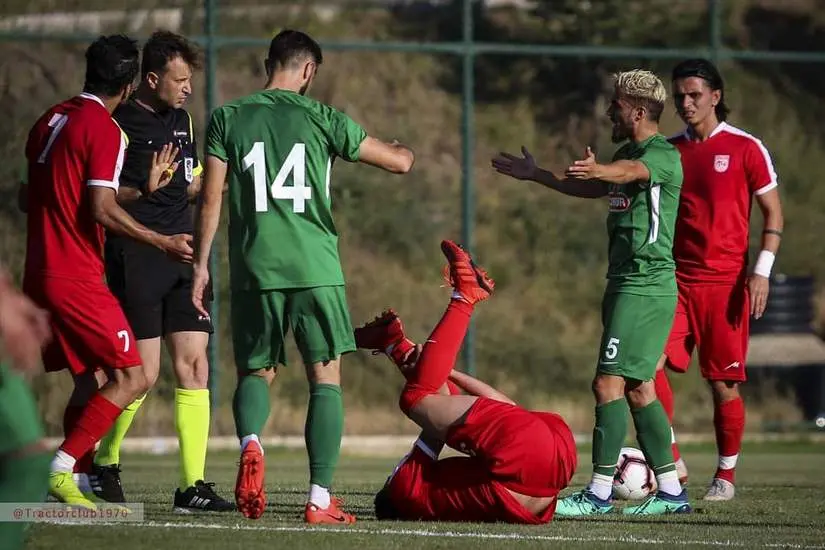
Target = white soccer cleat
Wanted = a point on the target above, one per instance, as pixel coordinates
(720, 490)
(682, 471)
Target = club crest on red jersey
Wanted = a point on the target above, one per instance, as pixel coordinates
(721, 163)
(618, 202)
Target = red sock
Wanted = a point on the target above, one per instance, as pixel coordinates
(70, 417)
(665, 395)
(96, 420)
(439, 354)
(729, 421)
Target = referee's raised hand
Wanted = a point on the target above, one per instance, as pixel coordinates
(163, 167)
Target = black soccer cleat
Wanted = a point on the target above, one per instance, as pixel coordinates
(105, 482)
(200, 497)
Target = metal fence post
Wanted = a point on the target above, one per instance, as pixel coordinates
(467, 146)
(210, 20)
(715, 38)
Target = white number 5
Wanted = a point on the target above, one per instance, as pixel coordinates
(124, 335)
(611, 350)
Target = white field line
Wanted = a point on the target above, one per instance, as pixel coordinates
(454, 534)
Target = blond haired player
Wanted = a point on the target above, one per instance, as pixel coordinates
(642, 187)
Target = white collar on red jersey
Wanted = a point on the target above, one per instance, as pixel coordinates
(720, 128)
(86, 95)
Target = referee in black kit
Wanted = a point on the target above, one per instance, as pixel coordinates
(154, 290)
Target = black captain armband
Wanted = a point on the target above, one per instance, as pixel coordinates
(776, 232)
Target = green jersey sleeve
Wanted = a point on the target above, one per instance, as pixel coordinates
(346, 135)
(215, 136)
(662, 163)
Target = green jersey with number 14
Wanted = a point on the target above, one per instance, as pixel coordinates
(279, 147)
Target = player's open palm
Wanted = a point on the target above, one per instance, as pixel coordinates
(179, 247)
(521, 168)
(758, 289)
(200, 280)
(163, 167)
(583, 169)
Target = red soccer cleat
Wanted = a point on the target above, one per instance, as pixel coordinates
(333, 515)
(383, 332)
(466, 278)
(249, 486)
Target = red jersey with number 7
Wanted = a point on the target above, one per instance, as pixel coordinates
(721, 176)
(75, 144)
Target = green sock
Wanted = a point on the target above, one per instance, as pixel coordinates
(608, 435)
(250, 405)
(109, 451)
(323, 431)
(192, 425)
(22, 479)
(653, 432)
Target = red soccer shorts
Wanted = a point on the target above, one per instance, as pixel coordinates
(714, 318)
(532, 453)
(89, 329)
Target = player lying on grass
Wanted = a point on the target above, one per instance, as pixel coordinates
(518, 460)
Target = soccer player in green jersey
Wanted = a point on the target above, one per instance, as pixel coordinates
(24, 455)
(642, 186)
(276, 148)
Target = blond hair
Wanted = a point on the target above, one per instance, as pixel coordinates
(641, 85)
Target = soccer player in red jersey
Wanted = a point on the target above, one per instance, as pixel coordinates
(518, 460)
(75, 152)
(725, 168)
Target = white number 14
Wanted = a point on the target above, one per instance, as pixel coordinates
(299, 193)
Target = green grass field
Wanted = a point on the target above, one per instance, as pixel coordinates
(780, 504)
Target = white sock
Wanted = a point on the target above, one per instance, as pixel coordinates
(247, 439)
(63, 462)
(669, 483)
(319, 496)
(82, 482)
(728, 462)
(601, 486)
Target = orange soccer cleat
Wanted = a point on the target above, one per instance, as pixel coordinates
(249, 486)
(466, 278)
(385, 332)
(332, 515)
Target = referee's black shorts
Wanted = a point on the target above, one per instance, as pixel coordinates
(153, 289)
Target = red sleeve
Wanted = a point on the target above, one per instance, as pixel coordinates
(107, 147)
(759, 168)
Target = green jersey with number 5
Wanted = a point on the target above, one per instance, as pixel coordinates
(279, 147)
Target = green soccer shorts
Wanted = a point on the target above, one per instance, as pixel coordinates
(318, 316)
(636, 329)
(20, 423)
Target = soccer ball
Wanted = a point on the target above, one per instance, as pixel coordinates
(633, 480)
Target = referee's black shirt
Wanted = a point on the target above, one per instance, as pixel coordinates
(167, 210)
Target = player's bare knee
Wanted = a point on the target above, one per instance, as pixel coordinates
(724, 390)
(640, 394)
(326, 372)
(132, 381)
(607, 388)
(192, 372)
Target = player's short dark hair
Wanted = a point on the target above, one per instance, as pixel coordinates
(290, 48)
(707, 71)
(164, 46)
(112, 63)
(384, 508)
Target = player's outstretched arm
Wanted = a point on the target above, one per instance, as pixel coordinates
(620, 172)
(108, 213)
(392, 157)
(474, 386)
(525, 168)
(209, 215)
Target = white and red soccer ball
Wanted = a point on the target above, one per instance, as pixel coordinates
(634, 480)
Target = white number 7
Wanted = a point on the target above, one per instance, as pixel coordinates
(124, 335)
(57, 122)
